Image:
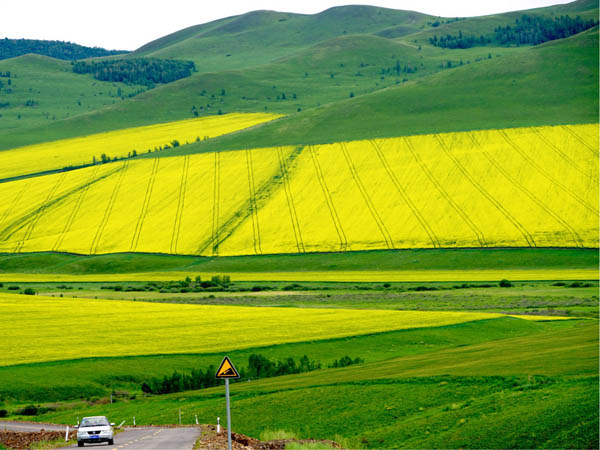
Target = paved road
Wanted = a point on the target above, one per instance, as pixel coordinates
(24, 426)
(151, 438)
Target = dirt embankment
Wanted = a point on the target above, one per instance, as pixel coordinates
(210, 440)
(19, 440)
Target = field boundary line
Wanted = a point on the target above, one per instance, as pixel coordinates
(329, 201)
(366, 197)
(39, 213)
(518, 225)
(562, 154)
(145, 205)
(546, 174)
(474, 228)
(528, 193)
(180, 204)
(422, 221)
(252, 198)
(15, 201)
(290, 202)
(75, 210)
(580, 139)
(109, 208)
(216, 200)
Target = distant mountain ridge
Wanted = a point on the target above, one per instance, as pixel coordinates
(10, 48)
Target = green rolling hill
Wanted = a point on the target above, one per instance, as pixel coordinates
(323, 69)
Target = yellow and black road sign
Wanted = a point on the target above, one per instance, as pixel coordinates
(227, 369)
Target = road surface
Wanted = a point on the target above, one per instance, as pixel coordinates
(140, 438)
(151, 438)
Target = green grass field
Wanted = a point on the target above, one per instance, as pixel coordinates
(415, 393)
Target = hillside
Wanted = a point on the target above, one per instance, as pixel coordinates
(553, 83)
(28, 87)
(259, 37)
(297, 64)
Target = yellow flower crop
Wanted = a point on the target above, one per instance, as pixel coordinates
(514, 187)
(120, 143)
(40, 328)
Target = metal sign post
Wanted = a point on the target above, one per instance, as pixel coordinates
(228, 414)
(226, 371)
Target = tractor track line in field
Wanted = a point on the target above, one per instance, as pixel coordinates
(478, 233)
(290, 202)
(22, 221)
(580, 139)
(145, 205)
(109, 208)
(243, 212)
(532, 197)
(216, 199)
(253, 208)
(422, 221)
(40, 213)
(545, 174)
(367, 198)
(14, 203)
(75, 210)
(518, 225)
(180, 204)
(329, 201)
(562, 154)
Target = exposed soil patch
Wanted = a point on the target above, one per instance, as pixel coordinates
(24, 439)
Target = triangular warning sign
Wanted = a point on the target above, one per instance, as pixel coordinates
(227, 370)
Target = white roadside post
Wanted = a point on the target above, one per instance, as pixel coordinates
(134, 421)
(226, 371)
(196, 416)
(67, 434)
(218, 425)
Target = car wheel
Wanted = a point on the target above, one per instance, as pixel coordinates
(79, 444)
(111, 442)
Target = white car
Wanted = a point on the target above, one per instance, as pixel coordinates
(95, 429)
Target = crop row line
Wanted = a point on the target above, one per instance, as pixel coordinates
(478, 233)
(14, 203)
(290, 202)
(75, 210)
(518, 225)
(216, 199)
(546, 174)
(422, 221)
(580, 139)
(365, 195)
(557, 150)
(329, 201)
(180, 204)
(109, 208)
(529, 194)
(145, 205)
(253, 207)
(39, 214)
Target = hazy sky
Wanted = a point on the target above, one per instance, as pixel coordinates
(128, 24)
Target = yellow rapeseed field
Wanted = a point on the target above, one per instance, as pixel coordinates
(120, 143)
(522, 187)
(37, 328)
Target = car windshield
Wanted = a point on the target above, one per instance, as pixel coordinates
(94, 422)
